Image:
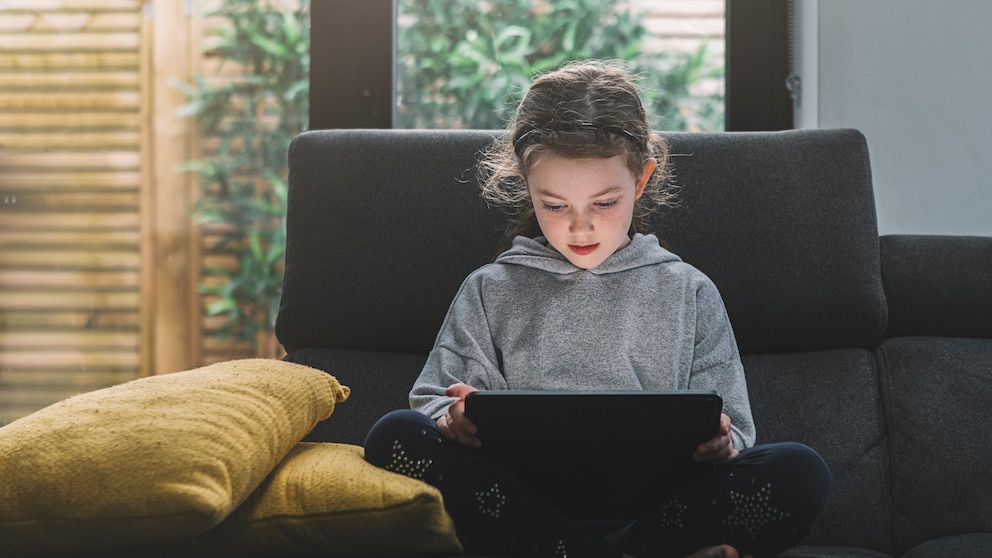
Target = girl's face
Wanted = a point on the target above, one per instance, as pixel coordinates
(585, 206)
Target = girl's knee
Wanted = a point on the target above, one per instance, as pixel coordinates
(806, 462)
(800, 472)
(406, 428)
(778, 493)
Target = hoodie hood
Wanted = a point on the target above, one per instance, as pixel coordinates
(643, 250)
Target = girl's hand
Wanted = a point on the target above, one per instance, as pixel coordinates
(718, 450)
(454, 425)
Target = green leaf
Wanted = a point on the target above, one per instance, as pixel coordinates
(221, 306)
(292, 29)
(272, 47)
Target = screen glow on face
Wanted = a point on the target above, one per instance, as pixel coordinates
(584, 206)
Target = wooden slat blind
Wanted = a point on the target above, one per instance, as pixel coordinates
(70, 191)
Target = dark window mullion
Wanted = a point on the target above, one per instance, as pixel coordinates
(351, 63)
(757, 66)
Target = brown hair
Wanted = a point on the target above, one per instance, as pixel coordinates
(584, 109)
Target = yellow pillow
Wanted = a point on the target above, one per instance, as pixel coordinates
(154, 459)
(325, 499)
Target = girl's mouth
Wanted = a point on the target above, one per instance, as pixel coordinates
(583, 250)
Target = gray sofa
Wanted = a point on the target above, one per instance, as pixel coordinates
(876, 352)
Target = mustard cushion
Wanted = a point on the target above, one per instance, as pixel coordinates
(154, 459)
(324, 499)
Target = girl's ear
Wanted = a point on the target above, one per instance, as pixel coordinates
(647, 169)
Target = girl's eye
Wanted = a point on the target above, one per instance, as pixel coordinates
(606, 205)
(550, 207)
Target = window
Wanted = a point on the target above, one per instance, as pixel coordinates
(352, 73)
(464, 65)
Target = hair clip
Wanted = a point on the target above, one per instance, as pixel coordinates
(521, 142)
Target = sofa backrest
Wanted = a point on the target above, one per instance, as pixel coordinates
(383, 225)
(938, 285)
(784, 223)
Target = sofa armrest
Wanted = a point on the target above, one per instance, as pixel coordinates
(938, 285)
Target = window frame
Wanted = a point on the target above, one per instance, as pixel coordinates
(352, 61)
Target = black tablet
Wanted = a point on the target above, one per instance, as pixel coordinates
(597, 454)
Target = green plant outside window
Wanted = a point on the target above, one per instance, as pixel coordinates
(243, 190)
(466, 63)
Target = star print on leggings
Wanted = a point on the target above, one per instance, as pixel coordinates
(673, 514)
(754, 512)
(404, 465)
(491, 501)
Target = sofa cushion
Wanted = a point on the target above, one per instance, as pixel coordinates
(380, 383)
(938, 285)
(326, 500)
(961, 546)
(154, 459)
(784, 223)
(936, 393)
(831, 552)
(829, 400)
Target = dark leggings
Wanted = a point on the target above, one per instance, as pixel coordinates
(762, 503)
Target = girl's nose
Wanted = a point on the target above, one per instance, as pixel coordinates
(581, 221)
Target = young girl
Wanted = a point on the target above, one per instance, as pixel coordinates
(582, 300)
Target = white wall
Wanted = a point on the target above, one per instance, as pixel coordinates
(915, 76)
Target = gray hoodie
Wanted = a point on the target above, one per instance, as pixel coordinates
(642, 319)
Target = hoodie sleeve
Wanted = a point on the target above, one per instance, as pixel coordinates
(463, 352)
(716, 363)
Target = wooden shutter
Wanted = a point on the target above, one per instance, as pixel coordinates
(70, 199)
